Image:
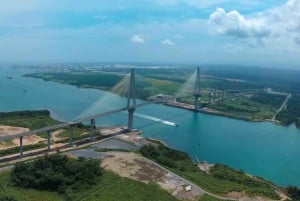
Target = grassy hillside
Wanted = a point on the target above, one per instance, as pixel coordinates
(221, 179)
(57, 178)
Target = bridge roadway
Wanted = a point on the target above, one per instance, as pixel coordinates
(67, 124)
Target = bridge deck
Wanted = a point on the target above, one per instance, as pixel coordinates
(67, 124)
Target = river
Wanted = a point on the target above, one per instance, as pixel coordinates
(263, 149)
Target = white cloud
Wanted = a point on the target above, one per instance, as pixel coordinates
(281, 23)
(137, 39)
(234, 24)
(167, 42)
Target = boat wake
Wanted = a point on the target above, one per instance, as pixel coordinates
(155, 119)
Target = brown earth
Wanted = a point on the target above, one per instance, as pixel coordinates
(12, 130)
(136, 167)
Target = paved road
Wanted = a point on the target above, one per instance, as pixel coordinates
(282, 106)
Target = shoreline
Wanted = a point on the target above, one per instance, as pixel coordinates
(158, 140)
(210, 111)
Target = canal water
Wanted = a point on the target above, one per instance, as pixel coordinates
(261, 149)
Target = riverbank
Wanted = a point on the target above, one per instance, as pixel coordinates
(211, 111)
(219, 179)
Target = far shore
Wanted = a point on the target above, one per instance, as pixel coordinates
(211, 111)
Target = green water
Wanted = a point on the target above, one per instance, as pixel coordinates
(262, 149)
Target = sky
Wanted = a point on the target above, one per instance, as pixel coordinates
(247, 32)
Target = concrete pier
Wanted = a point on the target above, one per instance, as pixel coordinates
(92, 129)
(21, 146)
(197, 90)
(70, 135)
(130, 118)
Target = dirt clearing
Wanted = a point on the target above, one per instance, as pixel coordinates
(136, 167)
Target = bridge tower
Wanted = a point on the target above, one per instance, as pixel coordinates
(131, 103)
(197, 89)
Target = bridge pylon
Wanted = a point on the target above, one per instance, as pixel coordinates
(197, 89)
(131, 101)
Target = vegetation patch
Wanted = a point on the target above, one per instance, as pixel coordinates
(27, 119)
(56, 173)
(81, 79)
(247, 108)
(7, 198)
(112, 187)
(293, 193)
(221, 179)
(292, 113)
(57, 178)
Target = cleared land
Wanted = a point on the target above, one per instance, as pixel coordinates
(133, 166)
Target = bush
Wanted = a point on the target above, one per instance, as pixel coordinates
(56, 173)
(7, 198)
(293, 192)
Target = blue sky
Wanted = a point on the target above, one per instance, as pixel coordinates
(249, 32)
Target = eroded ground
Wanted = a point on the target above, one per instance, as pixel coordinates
(12, 130)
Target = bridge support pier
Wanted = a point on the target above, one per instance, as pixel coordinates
(49, 140)
(70, 135)
(92, 129)
(21, 146)
(196, 103)
(131, 97)
(197, 90)
(130, 119)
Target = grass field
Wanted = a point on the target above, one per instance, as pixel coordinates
(245, 107)
(7, 188)
(110, 187)
(158, 86)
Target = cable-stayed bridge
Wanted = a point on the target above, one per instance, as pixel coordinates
(129, 86)
(131, 107)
